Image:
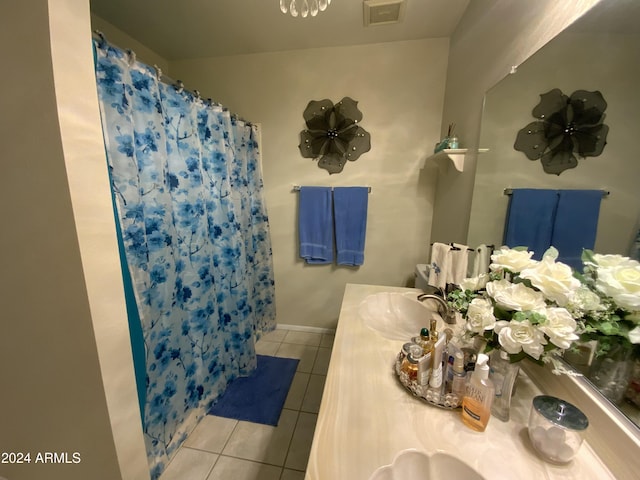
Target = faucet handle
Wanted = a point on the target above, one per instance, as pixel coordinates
(448, 314)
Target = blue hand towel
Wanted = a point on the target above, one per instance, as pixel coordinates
(315, 225)
(576, 224)
(530, 219)
(350, 212)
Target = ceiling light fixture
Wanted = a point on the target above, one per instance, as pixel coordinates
(303, 7)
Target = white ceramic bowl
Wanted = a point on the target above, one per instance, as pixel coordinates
(412, 464)
(396, 316)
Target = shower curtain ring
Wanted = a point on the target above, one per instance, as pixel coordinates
(132, 57)
(179, 86)
(103, 40)
(158, 72)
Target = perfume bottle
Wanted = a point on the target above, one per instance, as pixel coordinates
(410, 363)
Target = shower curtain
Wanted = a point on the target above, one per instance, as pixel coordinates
(187, 187)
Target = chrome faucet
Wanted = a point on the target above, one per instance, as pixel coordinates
(447, 314)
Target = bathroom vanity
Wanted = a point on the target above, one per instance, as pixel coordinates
(367, 417)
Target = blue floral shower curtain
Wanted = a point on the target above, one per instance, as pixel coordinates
(188, 191)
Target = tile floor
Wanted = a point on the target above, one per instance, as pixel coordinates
(222, 449)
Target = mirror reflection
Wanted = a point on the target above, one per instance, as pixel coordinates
(598, 53)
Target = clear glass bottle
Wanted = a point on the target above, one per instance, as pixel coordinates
(503, 374)
(423, 340)
(459, 381)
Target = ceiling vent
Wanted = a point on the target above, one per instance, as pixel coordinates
(383, 12)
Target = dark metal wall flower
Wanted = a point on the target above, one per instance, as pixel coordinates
(566, 126)
(333, 135)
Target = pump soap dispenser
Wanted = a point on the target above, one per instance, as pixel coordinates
(476, 405)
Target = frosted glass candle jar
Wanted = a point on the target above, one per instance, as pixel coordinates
(555, 428)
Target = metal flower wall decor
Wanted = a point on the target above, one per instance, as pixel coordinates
(566, 126)
(333, 135)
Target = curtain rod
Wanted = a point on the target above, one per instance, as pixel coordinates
(177, 84)
(509, 191)
(296, 188)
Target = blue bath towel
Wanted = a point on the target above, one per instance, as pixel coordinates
(530, 219)
(576, 224)
(350, 213)
(315, 225)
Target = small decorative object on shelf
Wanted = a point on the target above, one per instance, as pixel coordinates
(450, 141)
(565, 125)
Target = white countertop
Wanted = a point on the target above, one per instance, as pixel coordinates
(366, 417)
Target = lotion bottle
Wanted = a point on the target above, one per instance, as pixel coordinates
(476, 405)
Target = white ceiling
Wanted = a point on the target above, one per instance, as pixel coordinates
(182, 29)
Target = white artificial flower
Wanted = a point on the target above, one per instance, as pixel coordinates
(634, 335)
(586, 300)
(475, 283)
(515, 337)
(554, 279)
(559, 326)
(516, 296)
(622, 283)
(607, 261)
(480, 315)
(513, 260)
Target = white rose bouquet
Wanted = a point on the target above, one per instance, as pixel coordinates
(523, 306)
(609, 302)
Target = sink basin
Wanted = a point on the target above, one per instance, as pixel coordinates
(395, 316)
(413, 464)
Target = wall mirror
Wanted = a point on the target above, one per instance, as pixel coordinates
(598, 52)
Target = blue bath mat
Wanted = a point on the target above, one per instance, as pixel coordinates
(259, 397)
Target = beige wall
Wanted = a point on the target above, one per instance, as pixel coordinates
(399, 87)
(115, 36)
(83, 147)
(53, 391)
(570, 62)
(492, 36)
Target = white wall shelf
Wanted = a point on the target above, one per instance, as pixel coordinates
(453, 156)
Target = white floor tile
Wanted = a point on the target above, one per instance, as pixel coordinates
(292, 475)
(189, 464)
(327, 340)
(263, 443)
(245, 445)
(305, 353)
(296, 391)
(313, 395)
(298, 455)
(228, 468)
(303, 338)
(321, 365)
(211, 434)
(276, 336)
(264, 347)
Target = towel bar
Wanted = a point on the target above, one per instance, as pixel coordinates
(509, 191)
(296, 188)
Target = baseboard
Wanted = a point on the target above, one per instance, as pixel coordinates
(302, 328)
